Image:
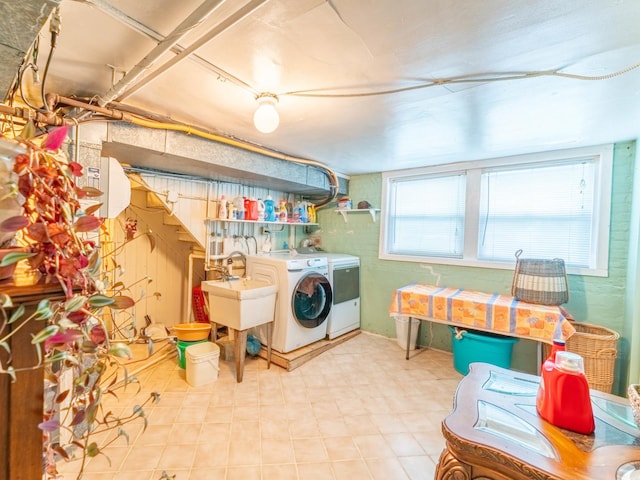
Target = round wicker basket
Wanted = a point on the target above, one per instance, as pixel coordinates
(597, 345)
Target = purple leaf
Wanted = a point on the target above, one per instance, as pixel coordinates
(55, 138)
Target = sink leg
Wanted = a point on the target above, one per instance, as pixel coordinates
(240, 352)
(269, 329)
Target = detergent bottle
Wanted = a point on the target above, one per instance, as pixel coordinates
(269, 210)
(563, 396)
(222, 210)
(260, 210)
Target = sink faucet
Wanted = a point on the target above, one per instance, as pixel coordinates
(222, 271)
(242, 256)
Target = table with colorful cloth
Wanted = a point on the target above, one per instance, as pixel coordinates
(488, 312)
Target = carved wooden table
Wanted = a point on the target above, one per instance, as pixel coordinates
(495, 433)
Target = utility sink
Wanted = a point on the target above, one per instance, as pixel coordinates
(240, 304)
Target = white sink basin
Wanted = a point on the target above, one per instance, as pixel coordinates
(242, 303)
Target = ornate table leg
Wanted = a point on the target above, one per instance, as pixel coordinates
(450, 468)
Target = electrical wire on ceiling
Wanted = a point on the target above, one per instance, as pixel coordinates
(484, 78)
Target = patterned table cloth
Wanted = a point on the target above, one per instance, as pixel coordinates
(488, 312)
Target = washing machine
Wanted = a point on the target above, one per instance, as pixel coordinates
(304, 298)
(344, 277)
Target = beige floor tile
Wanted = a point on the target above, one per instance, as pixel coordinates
(280, 472)
(212, 455)
(359, 411)
(274, 429)
(419, 467)
(404, 444)
(245, 450)
(275, 451)
(216, 473)
(244, 473)
(143, 457)
(310, 450)
(386, 469)
(351, 470)
(373, 446)
(341, 448)
(315, 471)
(177, 457)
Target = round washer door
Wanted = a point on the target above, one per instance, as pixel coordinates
(311, 302)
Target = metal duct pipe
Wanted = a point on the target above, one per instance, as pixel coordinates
(196, 18)
(54, 99)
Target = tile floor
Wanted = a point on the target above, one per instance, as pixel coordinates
(359, 411)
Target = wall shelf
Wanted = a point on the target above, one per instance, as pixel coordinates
(259, 222)
(344, 212)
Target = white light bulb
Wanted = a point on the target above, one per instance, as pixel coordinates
(266, 118)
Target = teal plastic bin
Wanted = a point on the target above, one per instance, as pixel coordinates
(182, 346)
(472, 346)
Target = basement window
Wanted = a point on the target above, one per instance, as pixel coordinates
(550, 205)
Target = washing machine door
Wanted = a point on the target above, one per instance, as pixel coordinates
(311, 302)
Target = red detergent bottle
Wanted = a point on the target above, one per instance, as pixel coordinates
(563, 396)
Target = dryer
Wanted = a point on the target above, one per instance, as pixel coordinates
(304, 298)
(344, 276)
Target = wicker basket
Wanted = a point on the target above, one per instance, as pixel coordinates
(598, 347)
(634, 400)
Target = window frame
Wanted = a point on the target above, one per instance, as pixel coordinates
(601, 154)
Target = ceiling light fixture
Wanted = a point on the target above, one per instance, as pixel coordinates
(266, 118)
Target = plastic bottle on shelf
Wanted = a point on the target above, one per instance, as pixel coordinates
(303, 213)
(269, 210)
(282, 211)
(222, 210)
(311, 213)
(260, 210)
(238, 203)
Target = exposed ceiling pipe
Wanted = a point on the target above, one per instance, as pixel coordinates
(54, 99)
(199, 15)
(142, 29)
(214, 32)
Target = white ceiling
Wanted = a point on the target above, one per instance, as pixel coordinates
(353, 47)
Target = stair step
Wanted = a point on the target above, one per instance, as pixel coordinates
(153, 201)
(186, 237)
(171, 220)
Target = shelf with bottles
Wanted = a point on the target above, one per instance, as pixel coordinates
(260, 222)
(345, 211)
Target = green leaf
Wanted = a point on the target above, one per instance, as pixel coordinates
(120, 350)
(12, 373)
(5, 301)
(29, 130)
(45, 333)
(17, 313)
(76, 303)
(15, 257)
(98, 301)
(44, 311)
(6, 346)
(92, 450)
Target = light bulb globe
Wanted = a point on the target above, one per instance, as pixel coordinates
(266, 118)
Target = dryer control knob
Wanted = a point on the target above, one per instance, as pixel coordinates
(310, 263)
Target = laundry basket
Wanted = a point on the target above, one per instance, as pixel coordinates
(597, 345)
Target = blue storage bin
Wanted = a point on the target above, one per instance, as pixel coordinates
(474, 346)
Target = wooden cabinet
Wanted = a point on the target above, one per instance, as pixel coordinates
(21, 402)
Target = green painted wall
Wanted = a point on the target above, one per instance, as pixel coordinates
(592, 299)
